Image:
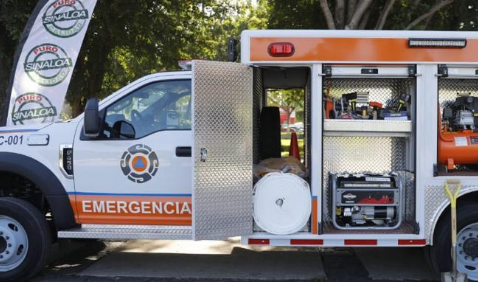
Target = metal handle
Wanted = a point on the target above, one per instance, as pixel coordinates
(452, 195)
(183, 152)
(203, 154)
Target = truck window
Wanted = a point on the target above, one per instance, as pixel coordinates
(155, 107)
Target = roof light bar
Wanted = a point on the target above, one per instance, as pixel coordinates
(281, 49)
(437, 42)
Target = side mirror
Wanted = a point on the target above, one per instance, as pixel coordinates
(92, 118)
(124, 130)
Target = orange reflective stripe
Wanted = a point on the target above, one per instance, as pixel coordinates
(361, 50)
(141, 210)
(314, 216)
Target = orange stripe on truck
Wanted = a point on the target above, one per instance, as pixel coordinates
(361, 50)
(141, 210)
(314, 216)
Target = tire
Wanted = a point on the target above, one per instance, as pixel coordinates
(23, 229)
(440, 252)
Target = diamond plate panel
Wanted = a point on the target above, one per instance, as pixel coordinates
(126, 232)
(436, 202)
(258, 92)
(222, 197)
(409, 208)
(360, 154)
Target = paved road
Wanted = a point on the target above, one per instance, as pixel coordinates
(150, 261)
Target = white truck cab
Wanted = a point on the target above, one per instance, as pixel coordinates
(389, 117)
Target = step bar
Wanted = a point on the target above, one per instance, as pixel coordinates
(126, 232)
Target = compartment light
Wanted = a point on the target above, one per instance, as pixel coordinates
(437, 42)
(281, 49)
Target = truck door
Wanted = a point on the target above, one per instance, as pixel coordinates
(222, 150)
(138, 170)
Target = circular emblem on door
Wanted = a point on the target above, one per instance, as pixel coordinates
(139, 163)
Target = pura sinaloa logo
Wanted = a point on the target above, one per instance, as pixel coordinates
(65, 18)
(30, 107)
(47, 64)
(139, 163)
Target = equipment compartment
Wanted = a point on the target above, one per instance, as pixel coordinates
(458, 126)
(269, 162)
(368, 142)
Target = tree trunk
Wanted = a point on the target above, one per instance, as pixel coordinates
(364, 20)
(351, 5)
(361, 8)
(328, 15)
(438, 5)
(340, 14)
(383, 16)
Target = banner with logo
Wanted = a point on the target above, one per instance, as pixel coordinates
(45, 60)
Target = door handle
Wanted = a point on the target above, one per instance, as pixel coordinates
(203, 154)
(183, 152)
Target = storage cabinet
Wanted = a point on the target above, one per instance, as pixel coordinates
(366, 145)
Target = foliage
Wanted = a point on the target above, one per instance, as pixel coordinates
(124, 45)
(14, 15)
(289, 100)
(376, 14)
(126, 41)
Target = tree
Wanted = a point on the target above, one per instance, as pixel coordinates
(122, 45)
(13, 18)
(127, 40)
(368, 14)
(289, 100)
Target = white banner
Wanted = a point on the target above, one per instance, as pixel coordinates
(44, 67)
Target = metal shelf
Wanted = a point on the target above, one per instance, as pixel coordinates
(357, 127)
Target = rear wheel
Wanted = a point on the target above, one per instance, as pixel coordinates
(467, 242)
(24, 240)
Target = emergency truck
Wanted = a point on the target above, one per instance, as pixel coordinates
(390, 116)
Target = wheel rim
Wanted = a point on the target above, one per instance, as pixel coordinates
(13, 243)
(467, 251)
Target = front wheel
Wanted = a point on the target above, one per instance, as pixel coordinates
(467, 242)
(24, 240)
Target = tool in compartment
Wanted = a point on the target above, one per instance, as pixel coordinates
(330, 104)
(352, 99)
(404, 100)
(458, 134)
(366, 201)
(376, 109)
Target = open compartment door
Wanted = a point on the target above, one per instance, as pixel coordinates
(222, 150)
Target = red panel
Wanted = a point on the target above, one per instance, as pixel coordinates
(306, 242)
(372, 242)
(412, 242)
(258, 241)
